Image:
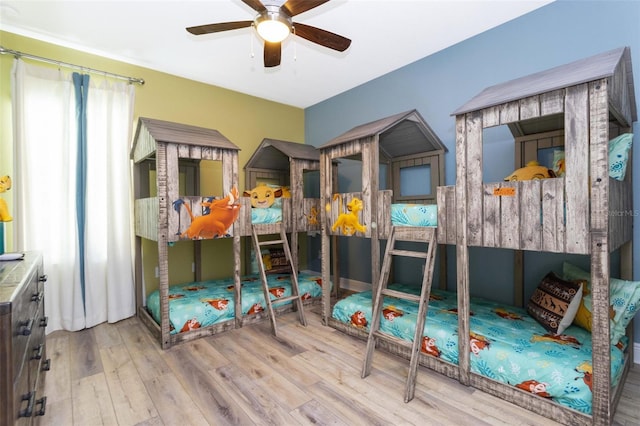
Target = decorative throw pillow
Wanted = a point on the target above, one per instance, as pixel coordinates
(619, 155)
(555, 302)
(558, 163)
(624, 299)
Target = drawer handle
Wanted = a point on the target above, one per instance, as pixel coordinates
(38, 351)
(42, 278)
(42, 402)
(26, 331)
(31, 398)
(37, 297)
(46, 365)
(44, 321)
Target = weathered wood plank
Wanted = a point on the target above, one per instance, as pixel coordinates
(491, 212)
(529, 107)
(510, 216)
(577, 177)
(509, 112)
(552, 102)
(473, 170)
(553, 215)
(530, 215)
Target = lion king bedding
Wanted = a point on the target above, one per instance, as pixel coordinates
(414, 214)
(201, 304)
(507, 344)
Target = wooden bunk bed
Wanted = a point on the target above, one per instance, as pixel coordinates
(580, 106)
(173, 149)
(186, 311)
(285, 164)
(401, 142)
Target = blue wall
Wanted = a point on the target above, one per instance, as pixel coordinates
(553, 35)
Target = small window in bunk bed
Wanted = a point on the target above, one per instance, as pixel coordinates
(414, 189)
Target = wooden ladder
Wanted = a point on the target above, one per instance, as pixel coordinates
(424, 235)
(256, 232)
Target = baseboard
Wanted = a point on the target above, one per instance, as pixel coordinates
(636, 353)
(354, 285)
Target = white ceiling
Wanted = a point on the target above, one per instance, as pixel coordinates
(385, 34)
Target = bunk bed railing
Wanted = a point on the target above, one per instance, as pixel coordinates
(534, 215)
(307, 216)
(339, 205)
(146, 217)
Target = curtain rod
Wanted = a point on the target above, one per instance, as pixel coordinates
(4, 51)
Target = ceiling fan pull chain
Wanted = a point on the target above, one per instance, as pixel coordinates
(252, 53)
(295, 46)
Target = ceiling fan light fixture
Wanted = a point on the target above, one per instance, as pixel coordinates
(273, 26)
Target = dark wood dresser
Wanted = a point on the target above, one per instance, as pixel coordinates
(22, 340)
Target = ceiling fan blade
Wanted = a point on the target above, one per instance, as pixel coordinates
(295, 7)
(321, 37)
(216, 28)
(255, 5)
(272, 53)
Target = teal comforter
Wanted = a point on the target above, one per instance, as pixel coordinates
(507, 344)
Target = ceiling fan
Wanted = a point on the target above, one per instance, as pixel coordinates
(274, 24)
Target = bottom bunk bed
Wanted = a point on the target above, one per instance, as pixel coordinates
(512, 355)
(210, 305)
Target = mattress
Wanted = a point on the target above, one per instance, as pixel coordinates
(266, 215)
(507, 345)
(201, 304)
(414, 214)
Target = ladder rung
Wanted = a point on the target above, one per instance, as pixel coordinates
(401, 295)
(283, 299)
(393, 339)
(270, 242)
(408, 253)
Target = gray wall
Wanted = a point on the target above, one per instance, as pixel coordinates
(553, 35)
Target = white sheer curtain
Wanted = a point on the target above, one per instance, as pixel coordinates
(109, 288)
(45, 130)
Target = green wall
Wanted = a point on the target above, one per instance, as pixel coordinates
(244, 119)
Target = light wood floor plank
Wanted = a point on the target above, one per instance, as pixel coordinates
(128, 394)
(254, 398)
(253, 366)
(214, 401)
(57, 381)
(85, 356)
(278, 356)
(345, 405)
(92, 402)
(173, 403)
(317, 414)
(144, 350)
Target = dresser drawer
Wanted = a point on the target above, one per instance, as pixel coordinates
(25, 320)
(23, 397)
(36, 354)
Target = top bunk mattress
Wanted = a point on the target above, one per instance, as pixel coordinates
(266, 215)
(507, 344)
(414, 214)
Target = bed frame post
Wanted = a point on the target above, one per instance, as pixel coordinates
(370, 189)
(598, 117)
(326, 185)
(462, 250)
